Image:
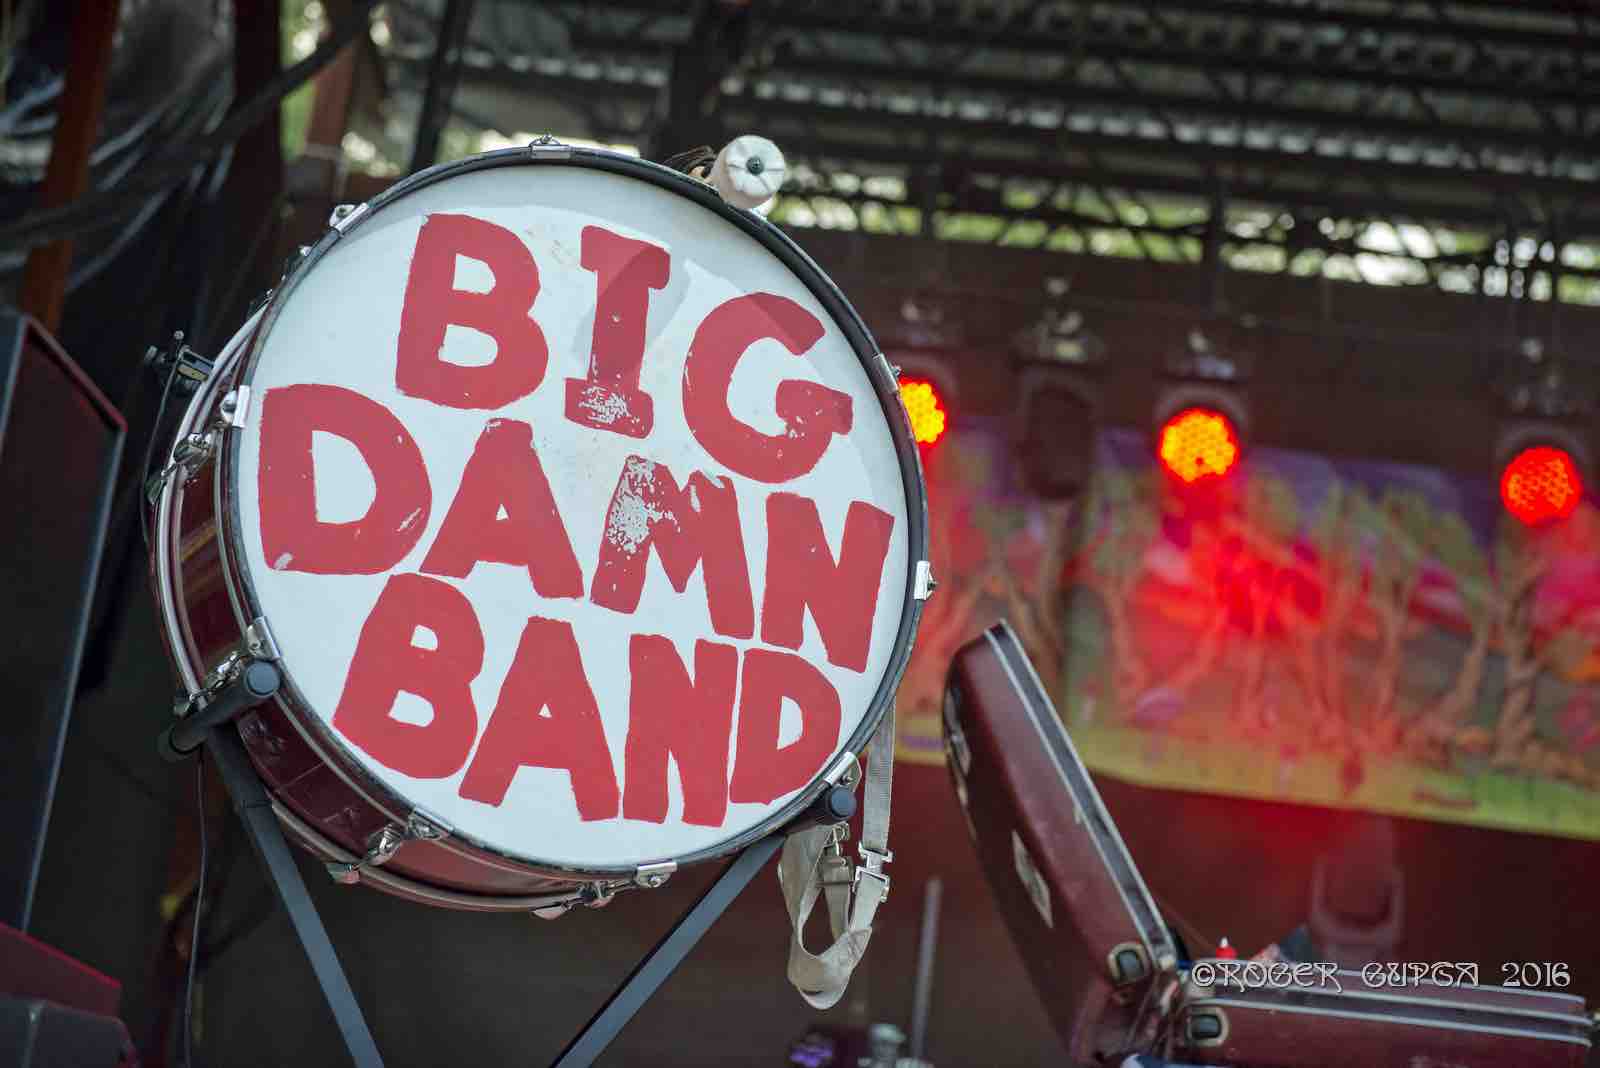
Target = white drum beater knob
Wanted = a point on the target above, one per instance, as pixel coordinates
(748, 172)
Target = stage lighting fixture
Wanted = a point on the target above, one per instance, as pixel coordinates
(929, 390)
(1541, 475)
(1200, 414)
(923, 404)
(1198, 443)
(1057, 429)
(1540, 484)
(1542, 454)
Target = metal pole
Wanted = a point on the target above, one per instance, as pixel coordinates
(66, 177)
(441, 82)
(922, 1000)
(661, 961)
(255, 812)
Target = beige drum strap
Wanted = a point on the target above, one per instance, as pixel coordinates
(813, 862)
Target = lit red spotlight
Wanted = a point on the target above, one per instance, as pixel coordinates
(928, 416)
(1198, 443)
(1541, 484)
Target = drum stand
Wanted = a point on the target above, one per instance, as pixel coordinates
(647, 977)
(210, 727)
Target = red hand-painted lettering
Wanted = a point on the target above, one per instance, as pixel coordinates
(625, 271)
(504, 473)
(764, 771)
(812, 413)
(292, 538)
(387, 663)
(690, 719)
(697, 526)
(802, 574)
(433, 304)
(546, 717)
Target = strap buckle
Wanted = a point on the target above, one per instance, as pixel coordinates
(871, 867)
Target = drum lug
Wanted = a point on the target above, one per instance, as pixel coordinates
(345, 215)
(925, 582)
(553, 912)
(589, 895)
(189, 455)
(216, 680)
(424, 826)
(383, 845)
(651, 876)
(259, 642)
(597, 895)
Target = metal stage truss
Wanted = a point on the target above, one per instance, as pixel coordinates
(1450, 145)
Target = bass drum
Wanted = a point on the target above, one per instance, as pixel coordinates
(581, 515)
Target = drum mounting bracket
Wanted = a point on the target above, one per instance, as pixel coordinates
(259, 642)
(651, 876)
(547, 147)
(187, 368)
(346, 215)
(235, 408)
(925, 582)
(846, 771)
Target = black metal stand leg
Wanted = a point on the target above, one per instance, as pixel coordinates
(661, 961)
(255, 812)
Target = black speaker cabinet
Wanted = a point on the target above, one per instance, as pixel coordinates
(60, 443)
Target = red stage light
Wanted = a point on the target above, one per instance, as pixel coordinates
(1198, 443)
(1540, 484)
(922, 404)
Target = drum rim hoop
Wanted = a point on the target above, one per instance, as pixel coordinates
(246, 605)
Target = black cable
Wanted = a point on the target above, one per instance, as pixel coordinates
(161, 410)
(140, 500)
(242, 273)
(199, 905)
(53, 224)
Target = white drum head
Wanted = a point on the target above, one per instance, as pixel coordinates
(424, 500)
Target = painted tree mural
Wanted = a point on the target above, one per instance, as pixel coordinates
(1369, 637)
(1119, 519)
(1400, 529)
(1333, 568)
(1264, 528)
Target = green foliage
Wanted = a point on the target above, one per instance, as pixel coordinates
(1239, 768)
(1122, 514)
(301, 22)
(1456, 547)
(1513, 547)
(1402, 522)
(1332, 529)
(1271, 507)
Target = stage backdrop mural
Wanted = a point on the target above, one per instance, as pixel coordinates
(1363, 635)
